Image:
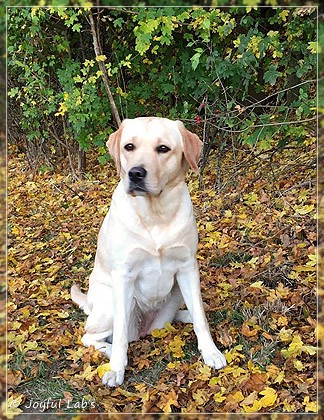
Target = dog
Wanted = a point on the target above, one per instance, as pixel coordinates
(145, 267)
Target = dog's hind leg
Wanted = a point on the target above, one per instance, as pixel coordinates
(183, 315)
(169, 311)
(97, 340)
(99, 325)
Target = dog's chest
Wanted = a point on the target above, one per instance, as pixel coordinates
(155, 276)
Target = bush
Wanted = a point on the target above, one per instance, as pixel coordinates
(242, 75)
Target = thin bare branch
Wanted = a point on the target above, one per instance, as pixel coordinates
(103, 69)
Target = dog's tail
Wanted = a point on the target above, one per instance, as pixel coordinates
(80, 299)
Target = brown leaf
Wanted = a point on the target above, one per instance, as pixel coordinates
(13, 378)
(167, 400)
(256, 382)
(249, 331)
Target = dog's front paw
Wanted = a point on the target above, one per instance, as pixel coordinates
(112, 378)
(214, 359)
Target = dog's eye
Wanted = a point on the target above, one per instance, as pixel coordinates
(129, 147)
(162, 149)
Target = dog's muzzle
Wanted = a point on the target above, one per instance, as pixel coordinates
(136, 176)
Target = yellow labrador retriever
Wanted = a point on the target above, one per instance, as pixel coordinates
(145, 266)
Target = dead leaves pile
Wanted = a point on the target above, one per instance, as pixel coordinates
(258, 274)
(2, 265)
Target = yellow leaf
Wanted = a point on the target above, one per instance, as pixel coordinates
(101, 58)
(32, 328)
(234, 353)
(282, 291)
(295, 347)
(200, 397)
(253, 408)
(311, 407)
(282, 321)
(257, 285)
(238, 396)
(289, 407)
(62, 109)
(175, 347)
(284, 15)
(298, 365)
(269, 397)
(25, 312)
(279, 378)
(169, 327)
(63, 314)
(285, 335)
(75, 355)
(16, 231)
(251, 199)
(120, 91)
(236, 371)
(31, 345)
(214, 381)
(10, 407)
(304, 209)
(253, 261)
(219, 397)
(174, 365)
(309, 349)
(155, 352)
(87, 374)
(159, 333)
(303, 268)
(312, 260)
(102, 369)
(14, 325)
(204, 373)
(252, 368)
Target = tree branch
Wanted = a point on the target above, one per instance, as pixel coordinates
(103, 69)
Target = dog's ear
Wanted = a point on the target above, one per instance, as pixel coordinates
(191, 146)
(113, 145)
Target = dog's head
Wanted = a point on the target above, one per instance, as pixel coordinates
(152, 153)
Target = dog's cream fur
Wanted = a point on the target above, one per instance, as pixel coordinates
(145, 266)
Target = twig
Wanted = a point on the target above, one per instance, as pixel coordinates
(264, 125)
(103, 69)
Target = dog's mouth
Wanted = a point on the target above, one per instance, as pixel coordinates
(141, 190)
(137, 190)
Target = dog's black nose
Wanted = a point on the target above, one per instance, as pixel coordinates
(137, 174)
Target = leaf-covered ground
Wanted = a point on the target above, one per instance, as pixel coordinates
(2, 265)
(257, 229)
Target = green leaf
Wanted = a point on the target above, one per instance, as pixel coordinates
(118, 22)
(196, 58)
(271, 75)
(314, 47)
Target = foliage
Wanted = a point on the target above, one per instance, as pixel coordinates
(59, 93)
(243, 74)
(258, 276)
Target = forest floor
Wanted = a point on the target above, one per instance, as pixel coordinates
(257, 236)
